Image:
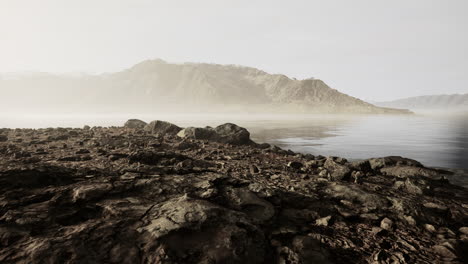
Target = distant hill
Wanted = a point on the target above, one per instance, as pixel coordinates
(158, 85)
(430, 102)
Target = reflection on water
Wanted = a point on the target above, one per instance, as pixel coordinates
(437, 141)
(434, 141)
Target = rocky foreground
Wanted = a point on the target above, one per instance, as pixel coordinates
(157, 193)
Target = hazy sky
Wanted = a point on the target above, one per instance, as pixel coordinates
(372, 49)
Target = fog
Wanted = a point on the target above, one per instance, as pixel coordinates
(373, 50)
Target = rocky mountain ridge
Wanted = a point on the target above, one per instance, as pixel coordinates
(430, 102)
(156, 84)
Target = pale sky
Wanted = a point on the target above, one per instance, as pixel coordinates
(371, 49)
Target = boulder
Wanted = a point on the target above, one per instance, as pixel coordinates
(226, 133)
(362, 165)
(202, 232)
(295, 165)
(233, 134)
(198, 133)
(135, 124)
(162, 128)
(247, 201)
(378, 163)
(409, 171)
(337, 170)
(3, 138)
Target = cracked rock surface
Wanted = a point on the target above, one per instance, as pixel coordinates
(142, 194)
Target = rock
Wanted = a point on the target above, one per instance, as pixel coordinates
(257, 208)
(312, 164)
(463, 230)
(323, 173)
(86, 127)
(162, 128)
(135, 124)
(409, 171)
(263, 146)
(357, 176)
(226, 133)
(3, 138)
(434, 206)
(295, 165)
(429, 228)
(409, 219)
(198, 133)
(323, 221)
(275, 176)
(445, 252)
(408, 186)
(202, 232)
(362, 166)
(336, 169)
(355, 193)
(386, 224)
(89, 192)
(82, 151)
(309, 250)
(233, 134)
(378, 163)
(254, 169)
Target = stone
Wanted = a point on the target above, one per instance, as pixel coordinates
(258, 208)
(444, 252)
(429, 228)
(309, 250)
(226, 133)
(89, 192)
(379, 163)
(463, 230)
(409, 186)
(323, 221)
(162, 128)
(410, 220)
(337, 170)
(409, 171)
(362, 166)
(254, 169)
(295, 165)
(386, 224)
(198, 133)
(135, 124)
(233, 134)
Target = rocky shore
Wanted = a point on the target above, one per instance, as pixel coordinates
(159, 193)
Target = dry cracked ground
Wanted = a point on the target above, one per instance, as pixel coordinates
(157, 193)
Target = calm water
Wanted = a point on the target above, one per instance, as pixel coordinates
(437, 141)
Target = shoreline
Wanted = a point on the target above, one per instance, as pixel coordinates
(160, 193)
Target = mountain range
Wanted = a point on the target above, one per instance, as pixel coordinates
(155, 85)
(430, 102)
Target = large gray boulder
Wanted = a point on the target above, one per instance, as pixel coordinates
(226, 133)
(337, 168)
(198, 133)
(162, 128)
(135, 124)
(233, 134)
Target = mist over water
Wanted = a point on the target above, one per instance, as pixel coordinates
(434, 140)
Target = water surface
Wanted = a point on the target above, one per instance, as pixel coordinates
(434, 140)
